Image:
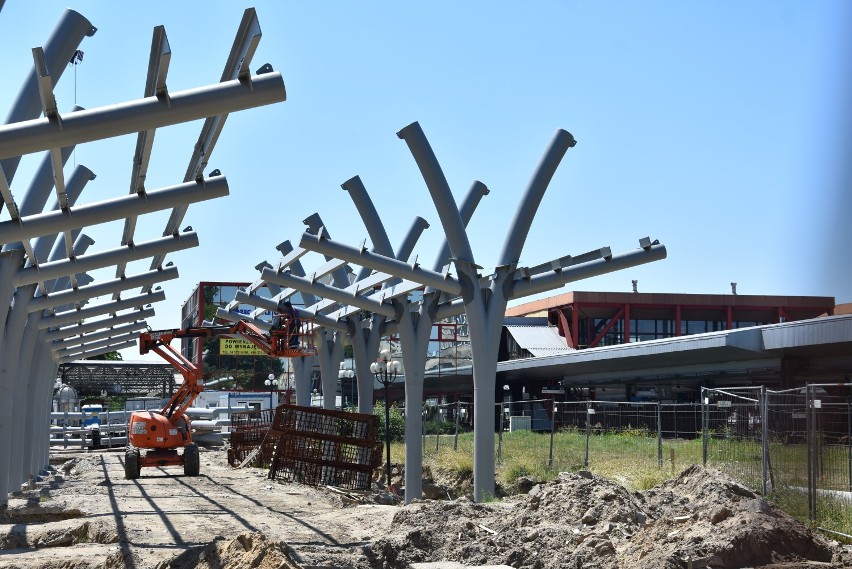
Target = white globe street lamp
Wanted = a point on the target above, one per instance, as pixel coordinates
(272, 384)
(386, 370)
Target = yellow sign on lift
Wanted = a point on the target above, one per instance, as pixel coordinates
(238, 347)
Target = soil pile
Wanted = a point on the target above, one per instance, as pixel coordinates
(700, 519)
(246, 551)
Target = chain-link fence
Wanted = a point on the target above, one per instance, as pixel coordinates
(586, 429)
(732, 427)
(794, 446)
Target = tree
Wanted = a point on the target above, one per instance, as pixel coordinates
(109, 356)
(249, 372)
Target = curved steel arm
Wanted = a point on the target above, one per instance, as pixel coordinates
(438, 187)
(520, 226)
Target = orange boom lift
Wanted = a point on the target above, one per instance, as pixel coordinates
(156, 436)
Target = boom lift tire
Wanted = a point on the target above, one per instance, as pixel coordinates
(191, 460)
(132, 467)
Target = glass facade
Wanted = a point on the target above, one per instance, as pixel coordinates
(202, 306)
(643, 330)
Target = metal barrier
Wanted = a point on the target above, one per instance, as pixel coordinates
(323, 446)
(111, 430)
(248, 432)
(587, 426)
(733, 433)
(794, 445)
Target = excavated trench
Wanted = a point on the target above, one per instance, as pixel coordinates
(36, 523)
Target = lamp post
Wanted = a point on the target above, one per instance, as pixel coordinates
(343, 375)
(271, 383)
(386, 370)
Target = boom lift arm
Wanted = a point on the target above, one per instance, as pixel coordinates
(163, 433)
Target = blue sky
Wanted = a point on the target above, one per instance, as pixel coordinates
(722, 129)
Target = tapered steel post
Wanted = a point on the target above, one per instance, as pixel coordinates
(329, 345)
(12, 351)
(484, 313)
(28, 414)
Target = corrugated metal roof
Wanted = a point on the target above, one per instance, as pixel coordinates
(827, 330)
(539, 340)
(758, 346)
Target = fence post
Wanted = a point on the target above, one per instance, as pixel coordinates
(849, 438)
(659, 436)
(810, 453)
(109, 429)
(500, 436)
(588, 432)
(705, 412)
(456, 441)
(764, 428)
(423, 433)
(552, 429)
(438, 428)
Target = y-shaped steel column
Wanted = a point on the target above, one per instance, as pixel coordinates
(485, 310)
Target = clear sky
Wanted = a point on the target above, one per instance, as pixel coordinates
(723, 129)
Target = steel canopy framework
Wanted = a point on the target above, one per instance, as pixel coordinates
(380, 301)
(43, 281)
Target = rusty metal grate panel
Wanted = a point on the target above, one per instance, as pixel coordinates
(322, 446)
(249, 431)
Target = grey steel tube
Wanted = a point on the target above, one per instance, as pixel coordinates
(524, 215)
(96, 336)
(438, 187)
(74, 188)
(100, 289)
(550, 281)
(321, 244)
(474, 195)
(41, 185)
(331, 292)
(111, 210)
(141, 114)
(106, 258)
(97, 352)
(71, 316)
(91, 326)
(58, 49)
(97, 344)
(370, 217)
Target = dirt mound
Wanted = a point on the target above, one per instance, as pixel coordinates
(700, 519)
(37, 536)
(246, 551)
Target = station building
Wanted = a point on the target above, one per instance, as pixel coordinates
(656, 346)
(625, 346)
